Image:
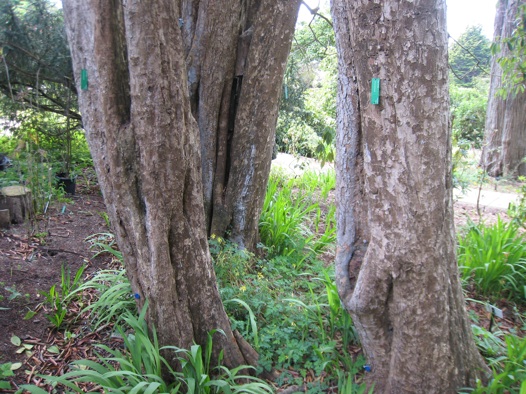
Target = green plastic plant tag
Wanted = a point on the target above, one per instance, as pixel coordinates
(84, 79)
(375, 91)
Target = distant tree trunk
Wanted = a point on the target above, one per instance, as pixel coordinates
(505, 140)
(236, 55)
(145, 146)
(396, 267)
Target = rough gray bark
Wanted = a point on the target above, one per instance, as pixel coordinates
(236, 53)
(396, 266)
(505, 139)
(145, 147)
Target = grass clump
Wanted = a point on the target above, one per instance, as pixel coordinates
(493, 260)
(293, 219)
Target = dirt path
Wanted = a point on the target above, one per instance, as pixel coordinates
(491, 204)
(486, 198)
(31, 259)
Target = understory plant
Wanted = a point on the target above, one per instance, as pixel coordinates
(141, 368)
(33, 170)
(6, 371)
(113, 296)
(294, 319)
(493, 259)
(506, 356)
(292, 219)
(517, 211)
(58, 297)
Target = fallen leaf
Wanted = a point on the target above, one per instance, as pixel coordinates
(29, 315)
(16, 340)
(53, 349)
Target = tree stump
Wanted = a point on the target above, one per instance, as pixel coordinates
(17, 199)
(5, 218)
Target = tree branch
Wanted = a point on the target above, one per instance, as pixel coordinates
(314, 12)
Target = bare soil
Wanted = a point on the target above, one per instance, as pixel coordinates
(31, 258)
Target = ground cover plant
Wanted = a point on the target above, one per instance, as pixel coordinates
(492, 263)
(283, 300)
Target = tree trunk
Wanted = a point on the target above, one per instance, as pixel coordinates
(396, 267)
(236, 55)
(505, 140)
(145, 147)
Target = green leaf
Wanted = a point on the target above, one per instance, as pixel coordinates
(29, 315)
(15, 366)
(16, 340)
(6, 385)
(33, 389)
(53, 349)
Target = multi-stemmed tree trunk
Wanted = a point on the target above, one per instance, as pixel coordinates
(396, 267)
(236, 53)
(146, 151)
(505, 140)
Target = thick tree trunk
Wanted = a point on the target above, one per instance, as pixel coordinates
(145, 147)
(236, 55)
(505, 140)
(396, 266)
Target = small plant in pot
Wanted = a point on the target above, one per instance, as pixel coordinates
(66, 178)
(67, 181)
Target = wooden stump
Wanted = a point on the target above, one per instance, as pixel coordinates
(5, 218)
(17, 199)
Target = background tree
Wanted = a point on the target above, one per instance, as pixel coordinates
(36, 72)
(505, 137)
(514, 64)
(468, 111)
(306, 123)
(36, 80)
(236, 55)
(469, 56)
(396, 267)
(145, 146)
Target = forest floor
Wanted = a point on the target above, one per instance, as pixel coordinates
(33, 255)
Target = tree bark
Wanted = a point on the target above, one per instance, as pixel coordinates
(396, 266)
(5, 218)
(146, 151)
(236, 53)
(505, 139)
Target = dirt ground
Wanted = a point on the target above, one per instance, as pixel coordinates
(31, 258)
